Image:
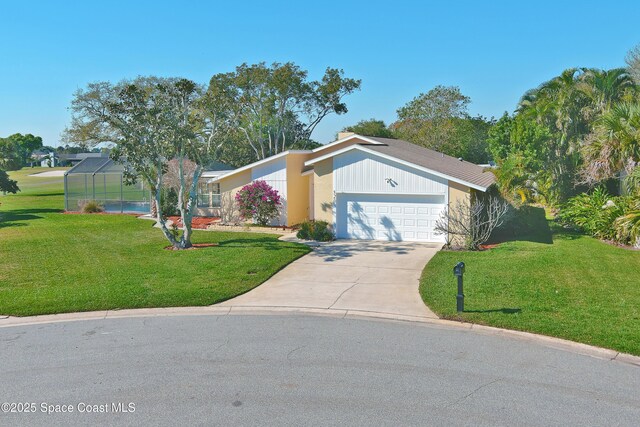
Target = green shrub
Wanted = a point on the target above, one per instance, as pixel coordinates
(594, 213)
(91, 206)
(169, 202)
(315, 230)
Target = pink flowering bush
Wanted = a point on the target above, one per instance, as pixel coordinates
(258, 201)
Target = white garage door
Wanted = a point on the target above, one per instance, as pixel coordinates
(388, 217)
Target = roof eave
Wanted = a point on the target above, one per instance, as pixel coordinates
(397, 160)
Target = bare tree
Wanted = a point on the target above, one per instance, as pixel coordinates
(633, 63)
(171, 178)
(470, 224)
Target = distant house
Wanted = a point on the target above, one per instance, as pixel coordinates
(73, 159)
(46, 159)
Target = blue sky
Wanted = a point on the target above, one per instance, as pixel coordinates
(493, 51)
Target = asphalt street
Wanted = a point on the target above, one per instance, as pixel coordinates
(300, 370)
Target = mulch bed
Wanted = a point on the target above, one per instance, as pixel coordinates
(489, 246)
(197, 222)
(100, 213)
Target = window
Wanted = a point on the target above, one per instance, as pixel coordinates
(208, 194)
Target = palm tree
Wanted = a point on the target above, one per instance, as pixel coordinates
(632, 182)
(614, 144)
(559, 104)
(606, 87)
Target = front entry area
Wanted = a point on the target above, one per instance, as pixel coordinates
(389, 217)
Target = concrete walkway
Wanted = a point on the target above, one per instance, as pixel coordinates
(376, 277)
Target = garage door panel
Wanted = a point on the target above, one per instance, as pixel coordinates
(389, 217)
(424, 236)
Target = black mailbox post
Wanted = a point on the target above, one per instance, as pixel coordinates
(458, 271)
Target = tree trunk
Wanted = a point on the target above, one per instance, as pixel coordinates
(159, 217)
(185, 214)
(187, 230)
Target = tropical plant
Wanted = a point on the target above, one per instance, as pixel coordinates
(614, 145)
(519, 148)
(578, 113)
(605, 88)
(594, 213)
(559, 106)
(627, 226)
(258, 201)
(632, 182)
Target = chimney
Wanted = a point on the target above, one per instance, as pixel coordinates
(345, 134)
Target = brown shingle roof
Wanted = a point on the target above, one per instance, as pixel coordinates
(433, 160)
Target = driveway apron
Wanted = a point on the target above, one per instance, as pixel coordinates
(367, 276)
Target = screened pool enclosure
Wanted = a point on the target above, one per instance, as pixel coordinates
(100, 179)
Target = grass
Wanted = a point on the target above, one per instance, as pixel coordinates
(54, 262)
(554, 282)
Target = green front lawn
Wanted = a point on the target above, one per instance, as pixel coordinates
(554, 283)
(52, 262)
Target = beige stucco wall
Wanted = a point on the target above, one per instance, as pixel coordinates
(207, 211)
(323, 191)
(297, 190)
(228, 189)
(462, 193)
(458, 192)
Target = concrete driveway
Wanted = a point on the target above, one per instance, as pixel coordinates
(363, 276)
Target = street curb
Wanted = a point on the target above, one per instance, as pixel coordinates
(547, 341)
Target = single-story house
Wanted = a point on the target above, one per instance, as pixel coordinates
(365, 187)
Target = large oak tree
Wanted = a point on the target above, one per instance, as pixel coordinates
(271, 109)
(150, 121)
(439, 120)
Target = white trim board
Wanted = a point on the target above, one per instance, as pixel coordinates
(346, 138)
(263, 161)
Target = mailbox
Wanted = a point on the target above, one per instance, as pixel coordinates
(458, 270)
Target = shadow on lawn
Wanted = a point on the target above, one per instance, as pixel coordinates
(268, 243)
(18, 217)
(497, 310)
(528, 224)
